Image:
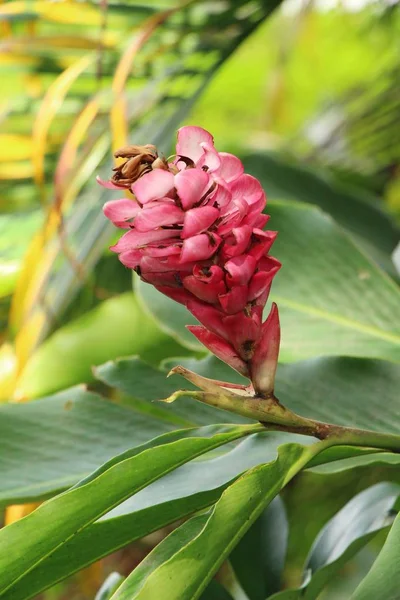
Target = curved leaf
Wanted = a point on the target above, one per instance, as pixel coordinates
(58, 440)
(38, 535)
(109, 586)
(189, 488)
(259, 558)
(15, 231)
(383, 580)
(67, 357)
(190, 559)
(351, 529)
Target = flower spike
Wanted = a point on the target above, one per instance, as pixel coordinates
(195, 233)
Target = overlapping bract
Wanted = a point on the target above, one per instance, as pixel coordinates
(196, 233)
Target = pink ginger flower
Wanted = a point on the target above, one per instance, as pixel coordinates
(195, 232)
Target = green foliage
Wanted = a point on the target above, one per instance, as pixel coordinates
(356, 209)
(259, 558)
(67, 356)
(384, 574)
(349, 530)
(207, 540)
(37, 536)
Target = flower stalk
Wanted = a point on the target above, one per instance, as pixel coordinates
(274, 416)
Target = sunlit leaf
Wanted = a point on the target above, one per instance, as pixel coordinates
(60, 12)
(15, 147)
(67, 357)
(48, 109)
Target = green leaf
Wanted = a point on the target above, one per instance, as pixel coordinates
(56, 521)
(383, 580)
(356, 210)
(144, 383)
(330, 295)
(115, 327)
(215, 591)
(191, 559)
(15, 232)
(332, 299)
(50, 444)
(104, 537)
(259, 558)
(162, 553)
(317, 494)
(189, 488)
(349, 531)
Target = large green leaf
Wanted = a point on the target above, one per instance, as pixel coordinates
(114, 328)
(332, 298)
(342, 390)
(317, 494)
(383, 580)
(259, 558)
(190, 559)
(349, 531)
(354, 209)
(194, 478)
(36, 537)
(189, 488)
(49, 444)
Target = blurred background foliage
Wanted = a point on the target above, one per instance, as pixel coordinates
(307, 93)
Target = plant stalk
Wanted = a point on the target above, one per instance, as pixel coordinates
(274, 415)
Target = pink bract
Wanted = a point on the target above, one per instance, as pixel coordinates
(195, 233)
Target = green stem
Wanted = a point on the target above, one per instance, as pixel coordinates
(275, 416)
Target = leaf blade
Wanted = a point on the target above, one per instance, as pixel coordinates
(78, 509)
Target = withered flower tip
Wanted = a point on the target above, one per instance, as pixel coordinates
(139, 161)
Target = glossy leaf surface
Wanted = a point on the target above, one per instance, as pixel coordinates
(45, 530)
(351, 529)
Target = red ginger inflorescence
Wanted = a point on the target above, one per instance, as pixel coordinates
(195, 232)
